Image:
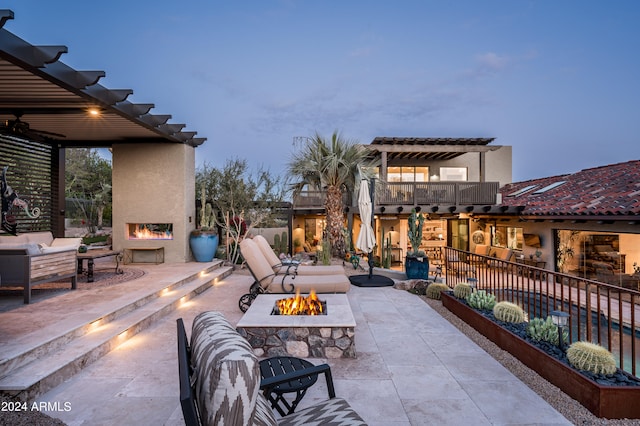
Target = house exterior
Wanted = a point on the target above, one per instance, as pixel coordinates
(443, 178)
(585, 223)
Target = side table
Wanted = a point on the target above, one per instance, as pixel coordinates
(279, 365)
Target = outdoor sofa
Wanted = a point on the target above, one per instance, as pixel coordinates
(220, 381)
(35, 258)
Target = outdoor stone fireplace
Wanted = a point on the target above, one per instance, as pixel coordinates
(315, 336)
(154, 199)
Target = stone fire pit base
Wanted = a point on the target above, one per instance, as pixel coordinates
(320, 336)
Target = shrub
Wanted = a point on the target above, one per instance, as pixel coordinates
(462, 290)
(434, 290)
(481, 300)
(508, 312)
(545, 331)
(591, 357)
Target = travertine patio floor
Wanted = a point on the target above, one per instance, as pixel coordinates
(412, 368)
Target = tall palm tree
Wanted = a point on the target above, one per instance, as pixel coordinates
(335, 165)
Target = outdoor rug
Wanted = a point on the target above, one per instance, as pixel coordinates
(102, 277)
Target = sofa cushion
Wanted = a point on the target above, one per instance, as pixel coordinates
(66, 242)
(227, 373)
(334, 412)
(30, 248)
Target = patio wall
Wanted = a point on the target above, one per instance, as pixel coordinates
(154, 183)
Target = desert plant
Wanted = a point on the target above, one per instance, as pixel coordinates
(591, 357)
(545, 331)
(416, 224)
(325, 253)
(481, 300)
(462, 290)
(508, 312)
(434, 290)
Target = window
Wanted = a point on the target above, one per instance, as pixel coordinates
(521, 190)
(407, 174)
(458, 174)
(549, 187)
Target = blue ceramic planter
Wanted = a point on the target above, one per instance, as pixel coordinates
(417, 268)
(203, 246)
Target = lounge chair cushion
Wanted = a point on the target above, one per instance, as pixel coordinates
(277, 266)
(263, 273)
(258, 264)
(227, 373)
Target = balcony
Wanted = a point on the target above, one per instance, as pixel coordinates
(311, 200)
(415, 194)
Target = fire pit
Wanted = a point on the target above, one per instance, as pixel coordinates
(328, 335)
(300, 305)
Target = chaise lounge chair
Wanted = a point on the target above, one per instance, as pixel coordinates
(267, 281)
(298, 269)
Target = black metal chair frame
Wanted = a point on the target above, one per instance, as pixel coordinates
(256, 288)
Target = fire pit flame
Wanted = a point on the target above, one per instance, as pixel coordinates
(299, 305)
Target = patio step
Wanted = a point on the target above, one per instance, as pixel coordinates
(39, 369)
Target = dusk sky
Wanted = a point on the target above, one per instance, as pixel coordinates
(558, 80)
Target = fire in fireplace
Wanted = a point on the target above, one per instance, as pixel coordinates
(300, 305)
(150, 231)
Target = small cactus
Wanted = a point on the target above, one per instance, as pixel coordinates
(462, 290)
(591, 357)
(545, 331)
(481, 300)
(434, 290)
(508, 312)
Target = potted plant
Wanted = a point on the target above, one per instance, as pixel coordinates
(416, 262)
(204, 239)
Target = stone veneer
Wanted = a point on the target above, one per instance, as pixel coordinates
(303, 336)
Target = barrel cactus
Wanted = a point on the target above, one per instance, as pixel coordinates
(508, 312)
(434, 290)
(545, 331)
(591, 357)
(481, 300)
(462, 290)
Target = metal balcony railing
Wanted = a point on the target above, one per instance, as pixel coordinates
(316, 200)
(601, 313)
(415, 194)
(421, 193)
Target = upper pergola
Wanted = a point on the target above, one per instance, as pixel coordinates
(429, 148)
(43, 99)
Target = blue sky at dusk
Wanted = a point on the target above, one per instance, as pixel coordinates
(556, 79)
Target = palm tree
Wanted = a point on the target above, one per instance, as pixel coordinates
(335, 165)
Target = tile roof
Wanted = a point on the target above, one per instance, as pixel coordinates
(612, 190)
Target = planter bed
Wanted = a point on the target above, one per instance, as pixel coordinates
(611, 402)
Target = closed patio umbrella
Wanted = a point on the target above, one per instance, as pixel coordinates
(367, 240)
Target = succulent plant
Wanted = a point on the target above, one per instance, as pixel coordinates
(416, 224)
(508, 312)
(591, 357)
(545, 331)
(462, 290)
(481, 300)
(434, 290)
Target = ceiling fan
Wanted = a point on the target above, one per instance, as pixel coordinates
(21, 128)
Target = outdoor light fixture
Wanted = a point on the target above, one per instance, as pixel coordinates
(560, 319)
(94, 112)
(473, 283)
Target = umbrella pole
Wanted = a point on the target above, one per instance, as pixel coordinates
(372, 192)
(370, 261)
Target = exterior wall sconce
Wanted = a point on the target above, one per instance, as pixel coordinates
(560, 319)
(473, 283)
